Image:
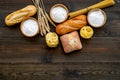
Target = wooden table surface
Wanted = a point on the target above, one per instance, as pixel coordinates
(24, 58)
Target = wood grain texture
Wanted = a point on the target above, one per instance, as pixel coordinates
(24, 58)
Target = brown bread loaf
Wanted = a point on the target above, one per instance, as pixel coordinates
(71, 25)
(19, 15)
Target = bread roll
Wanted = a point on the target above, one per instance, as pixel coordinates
(71, 42)
(19, 15)
(71, 25)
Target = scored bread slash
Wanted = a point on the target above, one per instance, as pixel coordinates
(19, 15)
(71, 42)
(29, 27)
(71, 25)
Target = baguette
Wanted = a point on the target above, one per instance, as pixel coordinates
(19, 15)
(71, 25)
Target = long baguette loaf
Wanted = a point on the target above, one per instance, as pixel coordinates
(19, 15)
(71, 25)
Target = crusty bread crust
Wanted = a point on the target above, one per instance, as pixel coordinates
(19, 15)
(71, 25)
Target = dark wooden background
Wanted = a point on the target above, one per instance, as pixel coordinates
(24, 58)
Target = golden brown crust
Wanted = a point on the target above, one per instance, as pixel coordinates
(71, 25)
(19, 15)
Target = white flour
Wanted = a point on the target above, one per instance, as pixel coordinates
(30, 27)
(96, 18)
(58, 14)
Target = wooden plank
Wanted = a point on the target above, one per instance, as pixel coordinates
(86, 71)
(24, 58)
(94, 50)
